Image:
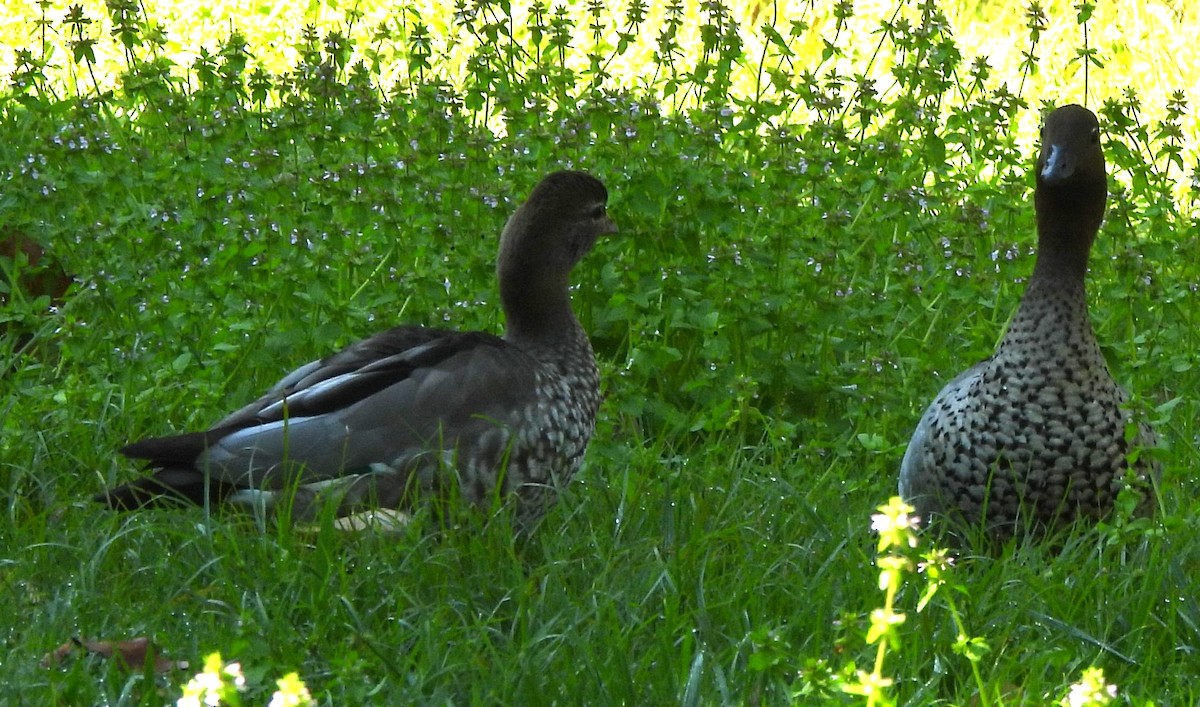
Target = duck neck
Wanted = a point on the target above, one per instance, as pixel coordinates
(1067, 223)
(537, 309)
(1054, 306)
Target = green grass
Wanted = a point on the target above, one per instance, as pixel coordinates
(795, 277)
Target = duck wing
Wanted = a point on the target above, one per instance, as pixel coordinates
(920, 476)
(382, 404)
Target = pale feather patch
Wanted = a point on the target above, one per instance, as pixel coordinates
(382, 520)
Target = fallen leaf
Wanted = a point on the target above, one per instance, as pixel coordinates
(35, 271)
(131, 655)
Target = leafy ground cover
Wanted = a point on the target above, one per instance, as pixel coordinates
(799, 270)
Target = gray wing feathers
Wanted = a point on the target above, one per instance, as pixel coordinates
(361, 355)
(250, 411)
(476, 395)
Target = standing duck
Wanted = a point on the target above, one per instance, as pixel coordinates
(414, 411)
(1035, 435)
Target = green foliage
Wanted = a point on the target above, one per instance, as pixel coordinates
(797, 273)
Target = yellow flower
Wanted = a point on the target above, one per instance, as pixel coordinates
(1091, 691)
(895, 524)
(208, 686)
(292, 692)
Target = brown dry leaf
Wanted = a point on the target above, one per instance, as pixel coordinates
(131, 654)
(753, 11)
(38, 274)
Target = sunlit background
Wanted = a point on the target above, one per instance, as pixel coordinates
(1146, 45)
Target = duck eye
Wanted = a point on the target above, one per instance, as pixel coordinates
(598, 212)
(1095, 134)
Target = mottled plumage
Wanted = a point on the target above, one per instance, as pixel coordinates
(1035, 435)
(413, 411)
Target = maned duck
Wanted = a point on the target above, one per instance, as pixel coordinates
(1035, 435)
(412, 412)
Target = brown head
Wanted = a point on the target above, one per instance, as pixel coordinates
(542, 242)
(1072, 187)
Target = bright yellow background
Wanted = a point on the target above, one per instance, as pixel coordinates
(1149, 45)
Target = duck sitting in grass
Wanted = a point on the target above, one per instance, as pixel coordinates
(1034, 437)
(413, 412)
